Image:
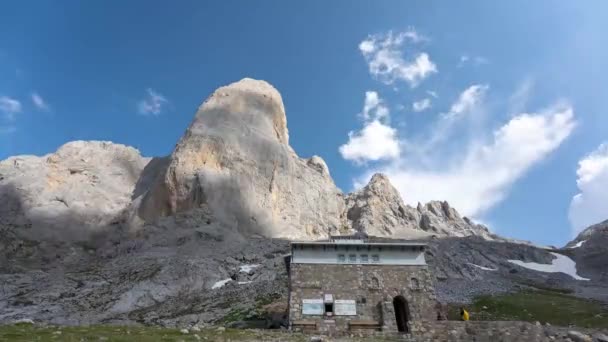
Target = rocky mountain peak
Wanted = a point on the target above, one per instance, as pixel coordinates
(259, 104)
(235, 159)
(234, 163)
(71, 193)
(378, 209)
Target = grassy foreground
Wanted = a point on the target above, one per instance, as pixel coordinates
(543, 306)
(29, 332)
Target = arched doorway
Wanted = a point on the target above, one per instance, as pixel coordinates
(401, 313)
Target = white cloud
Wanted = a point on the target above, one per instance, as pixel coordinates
(468, 100)
(9, 107)
(386, 61)
(474, 60)
(590, 205)
(432, 93)
(374, 107)
(39, 102)
(152, 104)
(421, 105)
(481, 175)
(376, 141)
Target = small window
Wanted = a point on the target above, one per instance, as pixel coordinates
(375, 258)
(341, 258)
(352, 258)
(375, 283)
(364, 259)
(329, 309)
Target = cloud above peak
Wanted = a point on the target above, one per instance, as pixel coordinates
(590, 205)
(390, 58)
(153, 103)
(481, 176)
(468, 100)
(421, 105)
(39, 102)
(9, 107)
(474, 172)
(377, 140)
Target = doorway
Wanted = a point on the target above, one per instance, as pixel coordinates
(401, 313)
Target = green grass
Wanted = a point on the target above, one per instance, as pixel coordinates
(108, 333)
(28, 332)
(543, 306)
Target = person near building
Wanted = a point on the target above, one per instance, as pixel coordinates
(464, 314)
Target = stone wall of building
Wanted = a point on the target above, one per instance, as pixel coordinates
(373, 287)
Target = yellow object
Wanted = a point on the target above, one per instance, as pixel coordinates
(465, 315)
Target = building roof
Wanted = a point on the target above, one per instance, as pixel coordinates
(361, 239)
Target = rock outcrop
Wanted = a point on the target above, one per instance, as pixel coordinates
(589, 251)
(235, 159)
(377, 209)
(69, 194)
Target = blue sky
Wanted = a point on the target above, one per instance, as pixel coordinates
(134, 73)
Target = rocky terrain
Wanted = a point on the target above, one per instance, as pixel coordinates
(96, 233)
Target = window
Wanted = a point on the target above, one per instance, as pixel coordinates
(415, 284)
(375, 258)
(364, 259)
(352, 258)
(341, 258)
(312, 306)
(375, 283)
(329, 309)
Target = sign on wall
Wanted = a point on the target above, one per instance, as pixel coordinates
(345, 307)
(312, 307)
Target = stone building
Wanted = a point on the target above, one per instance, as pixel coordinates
(353, 283)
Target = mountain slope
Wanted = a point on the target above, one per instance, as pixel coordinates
(96, 233)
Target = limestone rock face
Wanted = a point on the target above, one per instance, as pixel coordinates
(439, 218)
(589, 250)
(236, 160)
(378, 209)
(71, 193)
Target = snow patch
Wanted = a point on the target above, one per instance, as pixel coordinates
(220, 283)
(561, 263)
(483, 268)
(244, 282)
(578, 244)
(24, 321)
(247, 268)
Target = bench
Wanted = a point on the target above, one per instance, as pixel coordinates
(363, 324)
(304, 325)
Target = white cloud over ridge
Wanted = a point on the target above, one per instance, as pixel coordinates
(465, 156)
(387, 63)
(374, 107)
(468, 99)
(152, 104)
(9, 107)
(377, 140)
(421, 105)
(39, 102)
(590, 205)
(482, 173)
